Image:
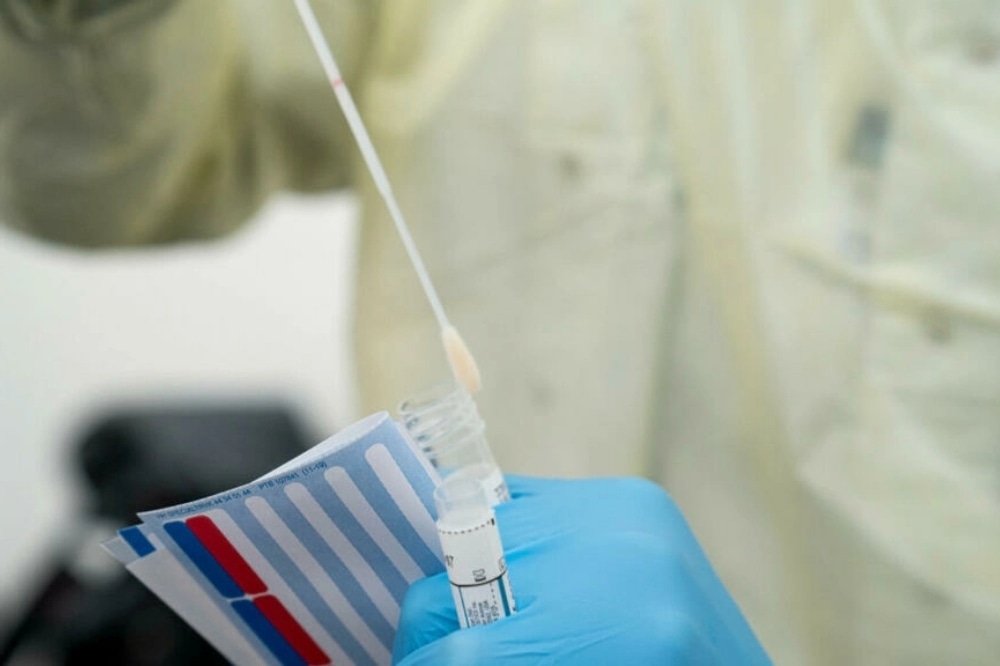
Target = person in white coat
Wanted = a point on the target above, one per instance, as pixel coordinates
(750, 250)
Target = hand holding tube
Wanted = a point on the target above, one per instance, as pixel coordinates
(606, 571)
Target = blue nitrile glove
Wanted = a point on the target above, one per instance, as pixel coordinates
(604, 571)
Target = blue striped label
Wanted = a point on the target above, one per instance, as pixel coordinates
(199, 555)
(267, 633)
(134, 537)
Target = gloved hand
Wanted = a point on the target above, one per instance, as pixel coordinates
(604, 571)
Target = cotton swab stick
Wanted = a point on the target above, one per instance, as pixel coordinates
(462, 363)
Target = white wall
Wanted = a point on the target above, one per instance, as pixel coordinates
(264, 312)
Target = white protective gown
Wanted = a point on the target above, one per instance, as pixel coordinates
(749, 249)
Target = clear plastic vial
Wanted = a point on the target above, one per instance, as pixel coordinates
(445, 424)
(473, 553)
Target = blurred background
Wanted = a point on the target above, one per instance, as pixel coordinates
(251, 327)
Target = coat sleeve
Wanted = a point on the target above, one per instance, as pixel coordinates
(131, 122)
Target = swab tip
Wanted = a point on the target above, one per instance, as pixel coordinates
(463, 365)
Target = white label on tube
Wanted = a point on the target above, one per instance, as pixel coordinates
(478, 572)
(496, 487)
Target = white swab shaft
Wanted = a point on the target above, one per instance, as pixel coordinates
(368, 152)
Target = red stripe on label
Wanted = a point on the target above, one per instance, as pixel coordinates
(337, 82)
(226, 555)
(291, 630)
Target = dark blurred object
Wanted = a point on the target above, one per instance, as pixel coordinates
(135, 461)
(154, 458)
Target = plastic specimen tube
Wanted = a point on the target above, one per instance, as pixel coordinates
(473, 552)
(444, 422)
